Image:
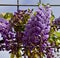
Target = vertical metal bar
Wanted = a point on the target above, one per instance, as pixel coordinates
(40, 1)
(17, 5)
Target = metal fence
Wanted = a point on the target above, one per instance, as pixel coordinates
(22, 5)
(18, 5)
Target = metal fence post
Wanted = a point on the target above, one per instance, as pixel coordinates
(17, 5)
(40, 1)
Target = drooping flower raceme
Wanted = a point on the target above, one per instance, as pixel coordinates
(11, 31)
(37, 30)
(18, 22)
(7, 34)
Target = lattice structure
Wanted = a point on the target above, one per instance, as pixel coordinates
(18, 4)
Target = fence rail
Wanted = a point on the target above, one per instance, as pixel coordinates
(21, 5)
(15, 5)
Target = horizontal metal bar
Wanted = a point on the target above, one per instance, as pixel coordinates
(54, 5)
(15, 5)
(21, 5)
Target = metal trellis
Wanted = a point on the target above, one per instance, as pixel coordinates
(23, 5)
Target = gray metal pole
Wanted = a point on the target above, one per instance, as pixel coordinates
(40, 1)
(17, 5)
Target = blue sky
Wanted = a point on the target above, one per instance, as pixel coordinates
(56, 11)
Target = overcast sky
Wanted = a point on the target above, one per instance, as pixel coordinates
(13, 9)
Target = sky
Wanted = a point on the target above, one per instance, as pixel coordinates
(13, 9)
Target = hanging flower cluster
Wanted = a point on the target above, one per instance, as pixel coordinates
(7, 34)
(37, 30)
(12, 30)
(29, 33)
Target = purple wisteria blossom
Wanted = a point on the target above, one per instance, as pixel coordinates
(37, 31)
(7, 34)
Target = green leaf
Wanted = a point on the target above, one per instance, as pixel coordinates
(57, 42)
(35, 13)
(36, 55)
(8, 16)
(57, 33)
(1, 16)
(38, 3)
(52, 17)
(18, 54)
(43, 4)
(12, 55)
